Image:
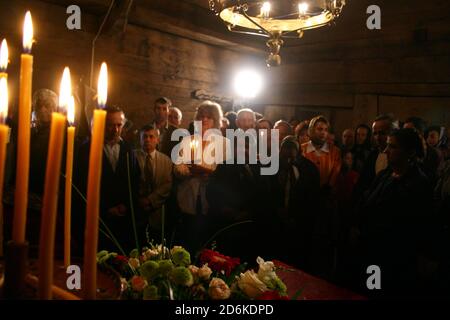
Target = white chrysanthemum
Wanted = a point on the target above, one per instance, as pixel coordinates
(150, 253)
(251, 285)
(266, 271)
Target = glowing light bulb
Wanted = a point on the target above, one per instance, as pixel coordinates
(248, 83)
(302, 8)
(265, 10)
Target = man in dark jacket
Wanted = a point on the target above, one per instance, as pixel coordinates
(239, 193)
(295, 192)
(119, 183)
(431, 161)
(395, 218)
(377, 159)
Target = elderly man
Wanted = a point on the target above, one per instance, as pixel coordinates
(118, 169)
(175, 117)
(44, 103)
(161, 122)
(377, 159)
(246, 119)
(236, 193)
(155, 181)
(295, 191)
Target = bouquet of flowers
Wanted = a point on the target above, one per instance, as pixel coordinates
(158, 272)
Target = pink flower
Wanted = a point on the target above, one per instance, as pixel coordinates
(204, 272)
(218, 289)
(194, 270)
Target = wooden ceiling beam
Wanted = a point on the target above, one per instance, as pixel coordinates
(191, 22)
(187, 19)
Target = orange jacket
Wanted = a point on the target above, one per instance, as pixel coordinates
(327, 160)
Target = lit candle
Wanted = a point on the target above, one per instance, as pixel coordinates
(194, 148)
(50, 198)
(265, 10)
(23, 145)
(69, 162)
(93, 189)
(4, 130)
(302, 9)
(3, 59)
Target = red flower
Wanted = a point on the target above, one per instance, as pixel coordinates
(121, 259)
(219, 262)
(272, 295)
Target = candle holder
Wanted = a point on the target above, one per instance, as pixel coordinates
(16, 269)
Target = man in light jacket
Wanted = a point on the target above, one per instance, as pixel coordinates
(155, 182)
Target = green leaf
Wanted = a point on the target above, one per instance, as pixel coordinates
(297, 294)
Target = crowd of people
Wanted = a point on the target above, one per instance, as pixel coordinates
(380, 195)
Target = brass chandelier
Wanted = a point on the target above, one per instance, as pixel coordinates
(276, 19)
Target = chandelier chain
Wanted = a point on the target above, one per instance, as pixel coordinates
(212, 5)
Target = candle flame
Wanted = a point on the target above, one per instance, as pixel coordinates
(4, 55)
(3, 98)
(102, 87)
(194, 144)
(65, 89)
(27, 32)
(71, 111)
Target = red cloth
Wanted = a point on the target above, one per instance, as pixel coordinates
(312, 288)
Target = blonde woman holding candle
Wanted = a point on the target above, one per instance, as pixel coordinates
(193, 176)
